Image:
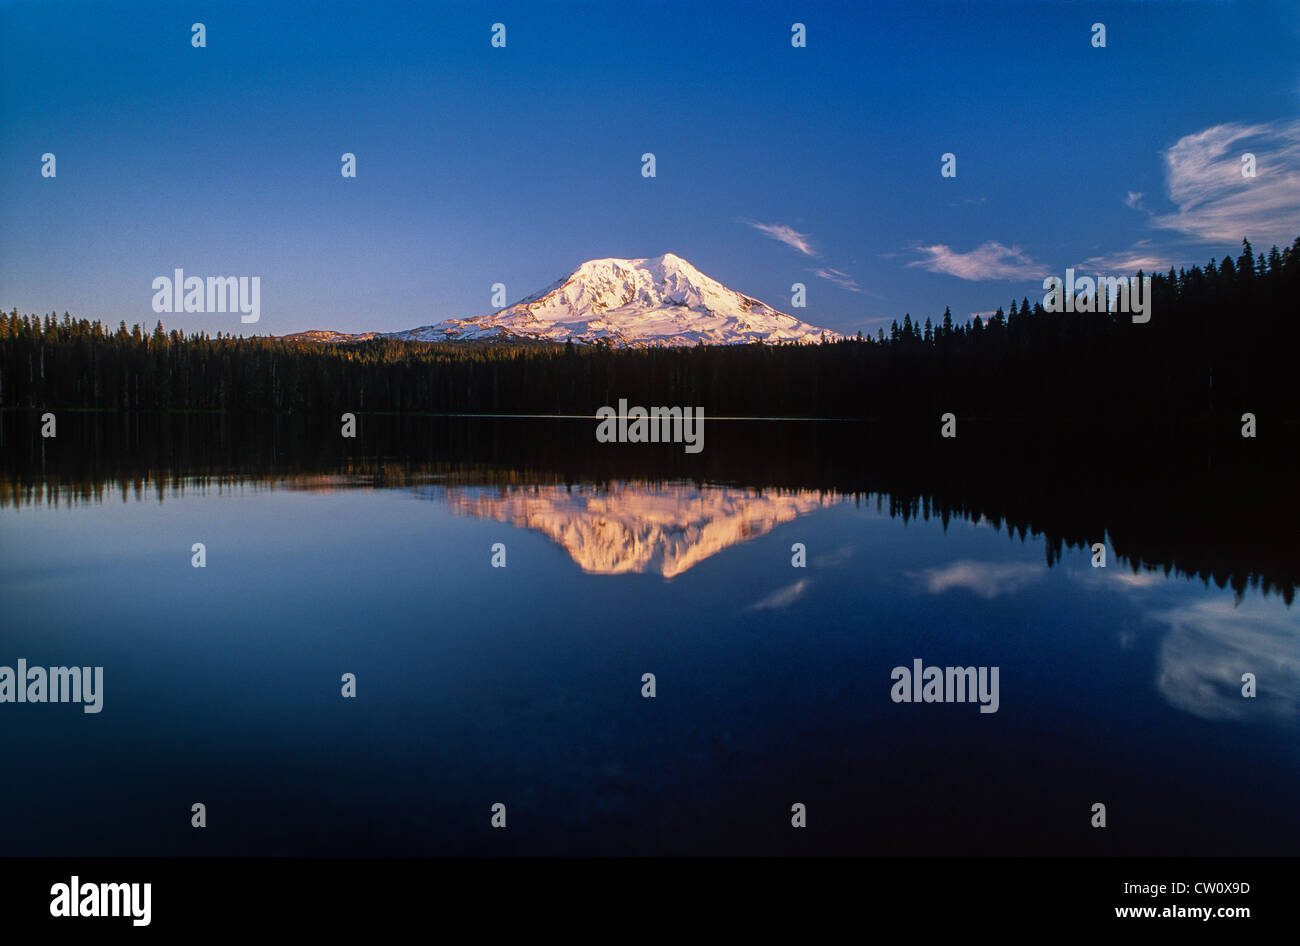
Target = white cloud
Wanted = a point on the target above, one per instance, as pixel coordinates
(787, 235)
(987, 579)
(1133, 200)
(843, 280)
(991, 260)
(803, 243)
(1137, 579)
(1142, 255)
(783, 597)
(1120, 575)
(1213, 642)
(1215, 203)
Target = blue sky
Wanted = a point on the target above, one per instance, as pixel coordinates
(775, 165)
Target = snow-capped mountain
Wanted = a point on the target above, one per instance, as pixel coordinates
(633, 303)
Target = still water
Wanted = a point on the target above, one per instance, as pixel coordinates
(522, 685)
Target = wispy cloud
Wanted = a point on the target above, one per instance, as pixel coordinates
(1138, 580)
(1142, 255)
(787, 235)
(989, 580)
(803, 243)
(1215, 203)
(783, 597)
(843, 280)
(1212, 642)
(991, 260)
(1117, 575)
(1133, 200)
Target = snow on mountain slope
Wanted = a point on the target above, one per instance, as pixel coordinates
(633, 303)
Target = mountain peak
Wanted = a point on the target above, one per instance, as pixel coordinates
(635, 303)
(671, 259)
(668, 262)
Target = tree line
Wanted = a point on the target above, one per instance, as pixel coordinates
(1223, 510)
(1221, 340)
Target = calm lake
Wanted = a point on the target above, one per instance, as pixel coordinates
(522, 685)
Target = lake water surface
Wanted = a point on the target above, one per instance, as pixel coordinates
(523, 685)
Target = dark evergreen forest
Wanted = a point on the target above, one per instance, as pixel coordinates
(1222, 340)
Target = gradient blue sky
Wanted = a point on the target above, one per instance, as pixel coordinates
(479, 165)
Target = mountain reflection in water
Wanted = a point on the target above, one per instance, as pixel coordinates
(625, 527)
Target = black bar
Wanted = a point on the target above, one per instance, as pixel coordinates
(665, 898)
